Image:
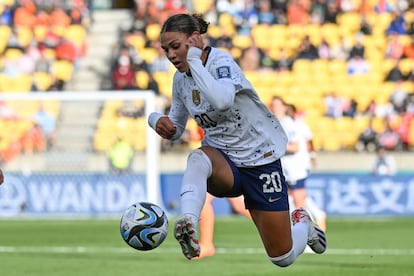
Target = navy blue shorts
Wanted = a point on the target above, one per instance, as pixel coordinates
(263, 187)
(298, 184)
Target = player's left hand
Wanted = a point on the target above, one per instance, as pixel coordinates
(195, 40)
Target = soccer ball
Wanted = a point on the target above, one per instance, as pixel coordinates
(144, 226)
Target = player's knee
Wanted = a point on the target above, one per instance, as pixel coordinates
(284, 260)
(200, 161)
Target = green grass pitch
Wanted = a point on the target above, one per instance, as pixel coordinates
(357, 246)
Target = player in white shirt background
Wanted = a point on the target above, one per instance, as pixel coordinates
(241, 149)
(297, 162)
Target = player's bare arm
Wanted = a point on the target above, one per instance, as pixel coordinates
(165, 128)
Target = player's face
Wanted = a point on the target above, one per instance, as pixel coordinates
(175, 47)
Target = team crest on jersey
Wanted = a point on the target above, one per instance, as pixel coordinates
(223, 72)
(196, 97)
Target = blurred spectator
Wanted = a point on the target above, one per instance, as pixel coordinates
(307, 50)
(341, 50)
(120, 157)
(250, 59)
(408, 49)
(389, 139)
(47, 124)
(333, 105)
(266, 16)
(347, 6)
(399, 97)
(357, 66)
(358, 49)
(67, 50)
(383, 6)
(318, 11)
(394, 49)
(298, 12)
(33, 139)
(367, 139)
(395, 74)
(397, 25)
(324, 49)
(331, 13)
(123, 76)
(246, 17)
(365, 8)
(6, 112)
(283, 62)
(349, 108)
(384, 163)
(6, 17)
(365, 28)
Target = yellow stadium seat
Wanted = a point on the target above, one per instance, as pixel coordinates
(42, 80)
(242, 41)
(20, 83)
(62, 70)
(350, 20)
(261, 35)
(201, 6)
(76, 34)
(13, 53)
(24, 35)
(152, 31)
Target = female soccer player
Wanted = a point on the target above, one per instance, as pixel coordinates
(242, 145)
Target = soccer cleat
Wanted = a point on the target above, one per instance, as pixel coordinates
(316, 237)
(186, 234)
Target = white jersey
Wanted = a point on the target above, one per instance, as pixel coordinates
(247, 131)
(295, 165)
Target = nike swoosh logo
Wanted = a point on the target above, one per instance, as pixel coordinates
(185, 193)
(271, 200)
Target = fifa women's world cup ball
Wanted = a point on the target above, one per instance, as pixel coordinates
(144, 226)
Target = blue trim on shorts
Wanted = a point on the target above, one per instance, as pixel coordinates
(298, 184)
(263, 187)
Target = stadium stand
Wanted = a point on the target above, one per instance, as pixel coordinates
(301, 61)
(41, 42)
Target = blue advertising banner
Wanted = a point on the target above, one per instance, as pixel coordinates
(74, 194)
(108, 195)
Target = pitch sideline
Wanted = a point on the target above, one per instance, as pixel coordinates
(220, 250)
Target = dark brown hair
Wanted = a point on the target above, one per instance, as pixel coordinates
(185, 23)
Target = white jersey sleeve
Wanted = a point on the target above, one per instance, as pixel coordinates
(245, 130)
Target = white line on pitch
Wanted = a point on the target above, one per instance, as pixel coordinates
(97, 250)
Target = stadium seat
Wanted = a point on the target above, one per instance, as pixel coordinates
(76, 34)
(63, 70)
(24, 35)
(260, 34)
(201, 6)
(242, 41)
(152, 31)
(42, 80)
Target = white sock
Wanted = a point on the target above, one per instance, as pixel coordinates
(300, 237)
(194, 184)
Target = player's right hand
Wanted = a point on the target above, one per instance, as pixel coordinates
(165, 128)
(1, 177)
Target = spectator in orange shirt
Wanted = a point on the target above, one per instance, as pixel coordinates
(298, 12)
(25, 15)
(408, 50)
(58, 17)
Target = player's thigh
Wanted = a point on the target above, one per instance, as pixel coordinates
(275, 231)
(221, 179)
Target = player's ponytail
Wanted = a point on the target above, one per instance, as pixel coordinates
(185, 23)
